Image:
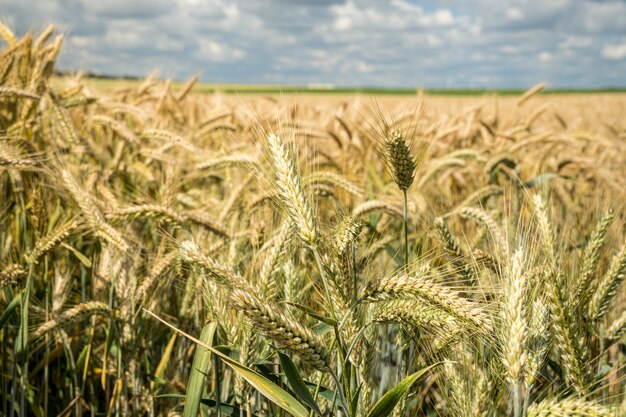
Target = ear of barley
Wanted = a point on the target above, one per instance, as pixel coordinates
(418, 314)
(565, 335)
(481, 195)
(64, 123)
(228, 161)
(187, 87)
(73, 315)
(92, 213)
(16, 92)
(515, 318)
(453, 247)
(617, 329)
(49, 241)
(608, 286)
(428, 290)
(117, 127)
(148, 211)
(12, 157)
(43, 37)
(159, 267)
(13, 274)
(539, 341)
(436, 166)
(346, 233)
(546, 234)
(7, 35)
(460, 401)
(291, 192)
(222, 273)
(204, 219)
(171, 139)
(536, 89)
(483, 218)
(590, 260)
(571, 407)
(270, 266)
(377, 205)
(284, 332)
(327, 177)
(400, 160)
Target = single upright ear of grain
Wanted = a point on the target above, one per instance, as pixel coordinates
(400, 160)
(515, 318)
(346, 233)
(590, 260)
(291, 193)
(607, 288)
(539, 341)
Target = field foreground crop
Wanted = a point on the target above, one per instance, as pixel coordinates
(165, 253)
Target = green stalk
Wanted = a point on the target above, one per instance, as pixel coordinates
(354, 284)
(320, 267)
(331, 310)
(316, 394)
(518, 401)
(406, 231)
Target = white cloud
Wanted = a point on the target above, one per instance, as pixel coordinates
(343, 23)
(614, 52)
(545, 56)
(218, 52)
(573, 41)
(514, 14)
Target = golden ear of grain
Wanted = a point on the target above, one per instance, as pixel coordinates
(515, 318)
(571, 407)
(590, 260)
(531, 92)
(566, 338)
(7, 35)
(425, 289)
(13, 274)
(49, 241)
(607, 288)
(73, 315)
(539, 341)
(291, 192)
(222, 273)
(286, 333)
(453, 247)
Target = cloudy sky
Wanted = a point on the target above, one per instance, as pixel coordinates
(396, 43)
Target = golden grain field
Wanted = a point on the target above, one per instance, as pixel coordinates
(164, 252)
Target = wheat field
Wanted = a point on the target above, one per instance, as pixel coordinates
(165, 253)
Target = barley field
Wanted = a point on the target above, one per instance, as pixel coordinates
(165, 252)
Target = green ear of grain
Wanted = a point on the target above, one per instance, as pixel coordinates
(198, 374)
(387, 403)
(267, 388)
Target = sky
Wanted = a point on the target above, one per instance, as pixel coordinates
(395, 43)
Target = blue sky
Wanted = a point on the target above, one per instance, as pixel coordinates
(397, 43)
